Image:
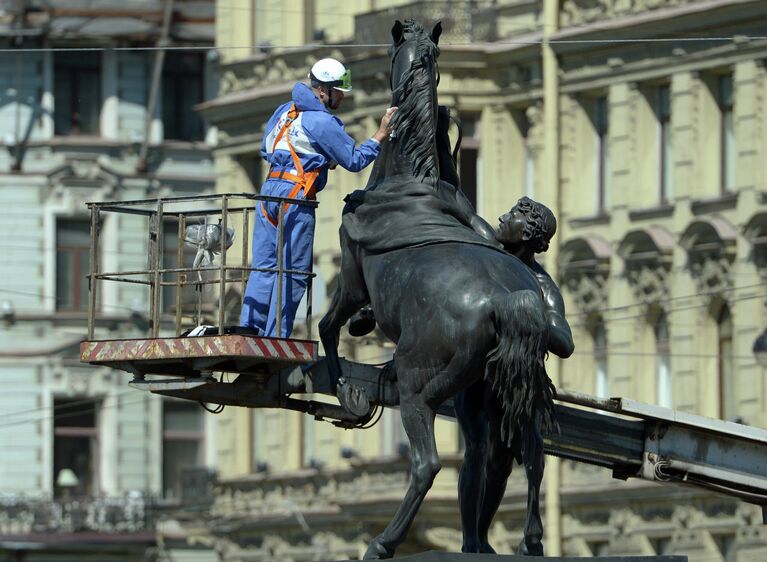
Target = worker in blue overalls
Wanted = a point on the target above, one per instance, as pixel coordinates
(301, 142)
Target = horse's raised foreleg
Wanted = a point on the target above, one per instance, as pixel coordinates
(349, 296)
(342, 306)
(531, 544)
(418, 420)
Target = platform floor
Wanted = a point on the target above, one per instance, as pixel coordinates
(189, 356)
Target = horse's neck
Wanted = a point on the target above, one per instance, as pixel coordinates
(413, 155)
(382, 168)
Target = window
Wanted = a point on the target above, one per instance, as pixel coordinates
(528, 170)
(182, 89)
(469, 162)
(72, 254)
(601, 122)
(251, 165)
(727, 132)
(664, 396)
(75, 447)
(182, 443)
(77, 93)
(600, 360)
(665, 162)
(726, 376)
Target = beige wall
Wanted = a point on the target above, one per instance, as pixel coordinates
(554, 87)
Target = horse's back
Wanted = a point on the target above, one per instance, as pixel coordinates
(448, 288)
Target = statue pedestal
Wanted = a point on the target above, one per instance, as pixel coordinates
(433, 556)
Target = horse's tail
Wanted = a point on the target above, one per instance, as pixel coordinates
(515, 367)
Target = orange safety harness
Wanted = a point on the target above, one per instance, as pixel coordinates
(303, 180)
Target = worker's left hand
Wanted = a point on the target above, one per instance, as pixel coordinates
(384, 129)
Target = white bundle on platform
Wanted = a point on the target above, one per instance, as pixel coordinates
(207, 239)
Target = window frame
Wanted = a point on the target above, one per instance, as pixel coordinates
(80, 253)
(726, 150)
(74, 71)
(602, 137)
(665, 163)
(180, 436)
(173, 73)
(66, 431)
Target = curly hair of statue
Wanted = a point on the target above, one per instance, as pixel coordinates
(541, 222)
(467, 318)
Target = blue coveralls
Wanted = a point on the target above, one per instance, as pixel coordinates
(318, 138)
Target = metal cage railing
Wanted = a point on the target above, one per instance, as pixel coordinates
(200, 208)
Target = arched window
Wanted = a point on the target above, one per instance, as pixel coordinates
(725, 366)
(664, 386)
(602, 389)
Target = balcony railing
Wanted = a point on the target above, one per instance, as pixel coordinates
(133, 513)
(461, 22)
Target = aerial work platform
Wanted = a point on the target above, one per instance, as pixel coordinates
(632, 439)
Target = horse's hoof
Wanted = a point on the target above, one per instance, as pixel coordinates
(487, 549)
(362, 322)
(471, 548)
(377, 551)
(534, 549)
(478, 548)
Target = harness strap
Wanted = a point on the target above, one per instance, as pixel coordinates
(303, 180)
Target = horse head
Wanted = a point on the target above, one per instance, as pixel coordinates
(412, 48)
(414, 78)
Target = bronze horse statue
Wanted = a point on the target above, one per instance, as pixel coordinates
(463, 313)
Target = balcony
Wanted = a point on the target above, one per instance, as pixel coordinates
(24, 516)
(461, 23)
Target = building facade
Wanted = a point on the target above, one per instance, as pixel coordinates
(87, 465)
(642, 124)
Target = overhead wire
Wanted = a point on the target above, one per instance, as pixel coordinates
(701, 294)
(523, 42)
(59, 407)
(74, 413)
(269, 46)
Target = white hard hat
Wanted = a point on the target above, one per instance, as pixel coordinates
(333, 74)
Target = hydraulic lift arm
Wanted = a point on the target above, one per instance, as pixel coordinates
(633, 439)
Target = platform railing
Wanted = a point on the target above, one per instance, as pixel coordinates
(221, 206)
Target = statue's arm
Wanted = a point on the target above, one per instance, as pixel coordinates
(560, 336)
(480, 225)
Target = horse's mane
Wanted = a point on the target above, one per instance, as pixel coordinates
(414, 120)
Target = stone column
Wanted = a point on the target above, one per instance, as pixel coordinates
(552, 476)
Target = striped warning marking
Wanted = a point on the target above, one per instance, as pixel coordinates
(195, 347)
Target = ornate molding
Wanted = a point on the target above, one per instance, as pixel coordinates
(535, 133)
(580, 12)
(649, 282)
(588, 291)
(712, 275)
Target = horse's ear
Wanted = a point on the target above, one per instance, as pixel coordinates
(397, 32)
(436, 32)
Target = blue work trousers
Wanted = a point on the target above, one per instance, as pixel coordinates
(259, 308)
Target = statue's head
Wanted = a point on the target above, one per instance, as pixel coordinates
(528, 222)
(412, 45)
